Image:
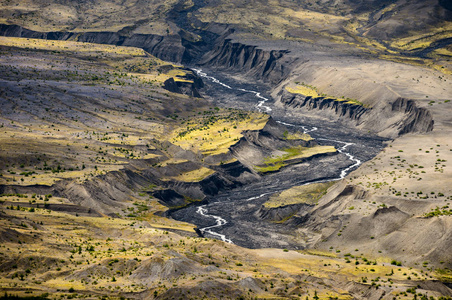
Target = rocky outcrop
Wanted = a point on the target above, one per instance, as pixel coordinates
(388, 120)
(187, 84)
(280, 213)
(60, 207)
(170, 198)
(19, 31)
(339, 108)
(265, 65)
(234, 169)
(105, 193)
(272, 137)
(256, 145)
(416, 119)
(209, 186)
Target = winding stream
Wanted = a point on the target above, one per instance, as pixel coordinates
(257, 191)
(220, 222)
(351, 157)
(260, 105)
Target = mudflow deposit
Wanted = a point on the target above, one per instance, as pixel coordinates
(206, 149)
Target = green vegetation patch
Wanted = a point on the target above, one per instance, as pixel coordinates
(213, 132)
(444, 275)
(308, 194)
(195, 175)
(297, 136)
(272, 163)
(443, 211)
(312, 91)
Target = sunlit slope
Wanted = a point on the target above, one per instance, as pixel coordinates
(76, 254)
(93, 16)
(77, 116)
(79, 110)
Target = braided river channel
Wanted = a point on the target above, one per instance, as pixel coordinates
(232, 215)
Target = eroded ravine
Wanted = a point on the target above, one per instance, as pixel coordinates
(234, 212)
(242, 226)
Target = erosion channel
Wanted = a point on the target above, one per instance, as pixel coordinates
(234, 215)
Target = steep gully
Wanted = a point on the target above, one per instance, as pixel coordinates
(232, 215)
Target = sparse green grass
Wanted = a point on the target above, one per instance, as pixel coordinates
(295, 153)
(125, 82)
(304, 90)
(443, 211)
(101, 253)
(195, 175)
(297, 136)
(307, 194)
(270, 167)
(215, 131)
(445, 275)
(311, 91)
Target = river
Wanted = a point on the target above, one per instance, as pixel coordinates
(231, 216)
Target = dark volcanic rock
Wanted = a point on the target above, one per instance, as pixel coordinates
(340, 108)
(255, 62)
(281, 213)
(169, 198)
(390, 120)
(417, 119)
(188, 86)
